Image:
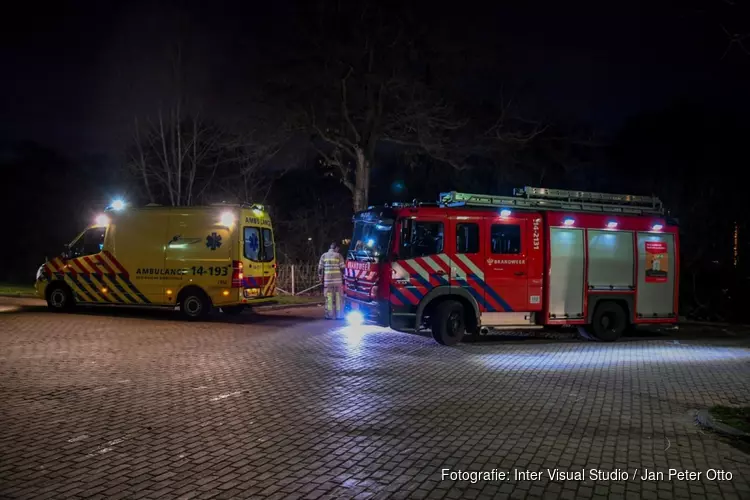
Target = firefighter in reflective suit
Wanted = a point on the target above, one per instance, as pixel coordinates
(331, 272)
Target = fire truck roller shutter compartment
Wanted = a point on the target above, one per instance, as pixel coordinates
(566, 273)
(610, 265)
(656, 276)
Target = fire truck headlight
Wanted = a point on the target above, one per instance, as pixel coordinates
(102, 220)
(118, 205)
(355, 318)
(39, 272)
(227, 219)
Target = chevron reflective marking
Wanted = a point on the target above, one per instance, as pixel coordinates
(422, 278)
(110, 274)
(478, 296)
(395, 292)
(112, 277)
(125, 279)
(432, 264)
(414, 263)
(400, 272)
(267, 290)
(76, 268)
(492, 293)
(468, 263)
(124, 276)
(92, 286)
(448, 262)
(434, 268)
(95, 287)
(73, 277)
(109, 294)
(84, 273)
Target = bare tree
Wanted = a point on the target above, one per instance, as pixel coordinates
(176, 157)
(374, 86)
(302, 238)
(260, 156)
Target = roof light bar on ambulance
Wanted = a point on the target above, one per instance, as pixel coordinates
(102, 220)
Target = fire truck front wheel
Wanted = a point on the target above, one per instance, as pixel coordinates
(609, 321)
(449, 323)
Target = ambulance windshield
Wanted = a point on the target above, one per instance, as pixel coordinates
(370, 240)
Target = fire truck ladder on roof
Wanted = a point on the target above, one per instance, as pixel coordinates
(532, 198)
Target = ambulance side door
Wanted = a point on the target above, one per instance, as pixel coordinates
(138, 241)
(506, 265)
(201, 248)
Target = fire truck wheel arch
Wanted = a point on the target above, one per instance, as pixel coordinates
(438, 294)
(624, 300)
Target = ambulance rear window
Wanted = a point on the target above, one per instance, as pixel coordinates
(268, 254)
(252, 243)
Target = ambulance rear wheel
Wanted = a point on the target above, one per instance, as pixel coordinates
(194, 305)
(60, 298)
(609, 322)
(449, 323)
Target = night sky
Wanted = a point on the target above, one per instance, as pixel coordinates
(76, 73)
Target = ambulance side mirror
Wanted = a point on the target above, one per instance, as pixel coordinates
(66, 251)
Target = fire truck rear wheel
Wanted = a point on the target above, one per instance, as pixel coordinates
(194, 304)
(609, 321)
(449, 323)
(60, 298)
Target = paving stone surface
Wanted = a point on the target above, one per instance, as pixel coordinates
(132, 404)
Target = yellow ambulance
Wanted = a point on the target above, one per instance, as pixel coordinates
(196, 258)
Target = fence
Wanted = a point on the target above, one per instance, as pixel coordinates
(298, 279)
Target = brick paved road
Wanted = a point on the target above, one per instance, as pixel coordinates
(141, 405)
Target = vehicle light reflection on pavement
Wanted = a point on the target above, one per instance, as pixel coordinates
(606, 356)
(355, 335)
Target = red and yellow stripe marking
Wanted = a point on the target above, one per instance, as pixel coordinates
(91, 284)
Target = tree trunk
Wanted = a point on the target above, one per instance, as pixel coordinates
(361, 181)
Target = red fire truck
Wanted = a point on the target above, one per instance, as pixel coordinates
(471, 264)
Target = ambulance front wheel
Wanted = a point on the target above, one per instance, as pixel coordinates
(449, 323)
(194, 304)
(59, 297)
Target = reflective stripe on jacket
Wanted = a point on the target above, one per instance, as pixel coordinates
(331, 266)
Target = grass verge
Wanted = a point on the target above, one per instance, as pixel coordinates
(17, 290)
(737, 417)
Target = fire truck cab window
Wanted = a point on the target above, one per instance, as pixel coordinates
(91, 242)
(505, 239)
(420, 238)
(467, 238)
